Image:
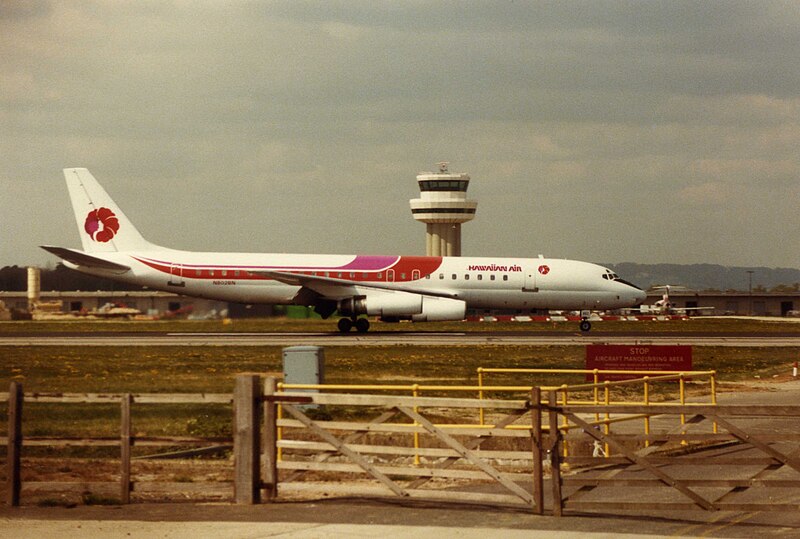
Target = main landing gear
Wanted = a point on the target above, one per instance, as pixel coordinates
(346, 324)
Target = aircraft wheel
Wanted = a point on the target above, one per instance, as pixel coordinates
(362, 325)
(585, 325)
(345, 325)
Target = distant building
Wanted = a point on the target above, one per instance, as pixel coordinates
(734, 303)
(148, 302)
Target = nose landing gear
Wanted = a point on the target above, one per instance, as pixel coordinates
(585, 325)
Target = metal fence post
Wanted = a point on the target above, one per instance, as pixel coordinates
(15, 399)
(247, 439)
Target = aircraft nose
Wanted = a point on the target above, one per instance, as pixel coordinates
(640, 296)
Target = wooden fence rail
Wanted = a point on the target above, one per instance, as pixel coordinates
(405, 447)
(246, 399)
(15, 440)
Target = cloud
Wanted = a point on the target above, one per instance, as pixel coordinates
(578, 122)
(705, 194)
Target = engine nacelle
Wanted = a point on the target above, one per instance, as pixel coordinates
(394, 305)
(440, 309)
(382, 304)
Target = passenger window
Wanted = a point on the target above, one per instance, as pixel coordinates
(454, 276)
(380, 275)
(441, 276)
(491, 277)
(505, 277)
(480, 277)
(402, 276)
(466, 277)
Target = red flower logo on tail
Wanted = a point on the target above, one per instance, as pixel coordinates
(101, 225)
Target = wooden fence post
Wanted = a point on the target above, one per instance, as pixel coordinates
(247, 439)
(125, 448)
(14, 478)
(555, 453)
(270, 469)
(536, 446)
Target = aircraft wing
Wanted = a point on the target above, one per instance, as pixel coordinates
(333, 288)
(79, 258)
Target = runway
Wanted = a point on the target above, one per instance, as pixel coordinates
(393, 339)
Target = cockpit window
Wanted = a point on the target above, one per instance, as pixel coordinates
(610, 276)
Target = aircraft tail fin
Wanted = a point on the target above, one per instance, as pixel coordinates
(102, 225)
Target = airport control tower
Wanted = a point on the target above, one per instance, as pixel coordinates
(443, 206)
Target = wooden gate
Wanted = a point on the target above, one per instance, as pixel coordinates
(399, 446)
(749, 459)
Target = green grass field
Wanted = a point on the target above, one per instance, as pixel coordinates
(212, 369)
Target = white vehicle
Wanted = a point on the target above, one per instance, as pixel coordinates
(418, 288)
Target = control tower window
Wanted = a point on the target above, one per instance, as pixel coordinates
(443, 185)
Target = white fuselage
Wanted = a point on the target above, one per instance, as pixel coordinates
(483, 283)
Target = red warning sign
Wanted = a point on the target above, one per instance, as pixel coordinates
(640, 357)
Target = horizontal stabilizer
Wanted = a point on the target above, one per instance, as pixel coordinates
(79, 258)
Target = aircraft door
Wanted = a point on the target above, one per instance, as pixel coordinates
(176, 275)
(530, 280)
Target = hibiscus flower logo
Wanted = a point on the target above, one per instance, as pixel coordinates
(101, 225)
(544, 269)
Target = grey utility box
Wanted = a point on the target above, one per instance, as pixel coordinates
(304, 365)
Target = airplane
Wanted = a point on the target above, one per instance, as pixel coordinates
(393, 288)
(665, 306)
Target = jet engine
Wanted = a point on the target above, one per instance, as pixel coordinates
(391, 305)
(440, 309)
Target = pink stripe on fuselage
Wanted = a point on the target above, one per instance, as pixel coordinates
(359, 263)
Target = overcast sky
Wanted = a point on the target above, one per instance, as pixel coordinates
(601, 131)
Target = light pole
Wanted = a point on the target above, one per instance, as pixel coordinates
(750, 292)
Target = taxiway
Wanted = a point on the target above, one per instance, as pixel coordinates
(391, 339)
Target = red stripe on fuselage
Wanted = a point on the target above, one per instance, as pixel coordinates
(405, 268)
